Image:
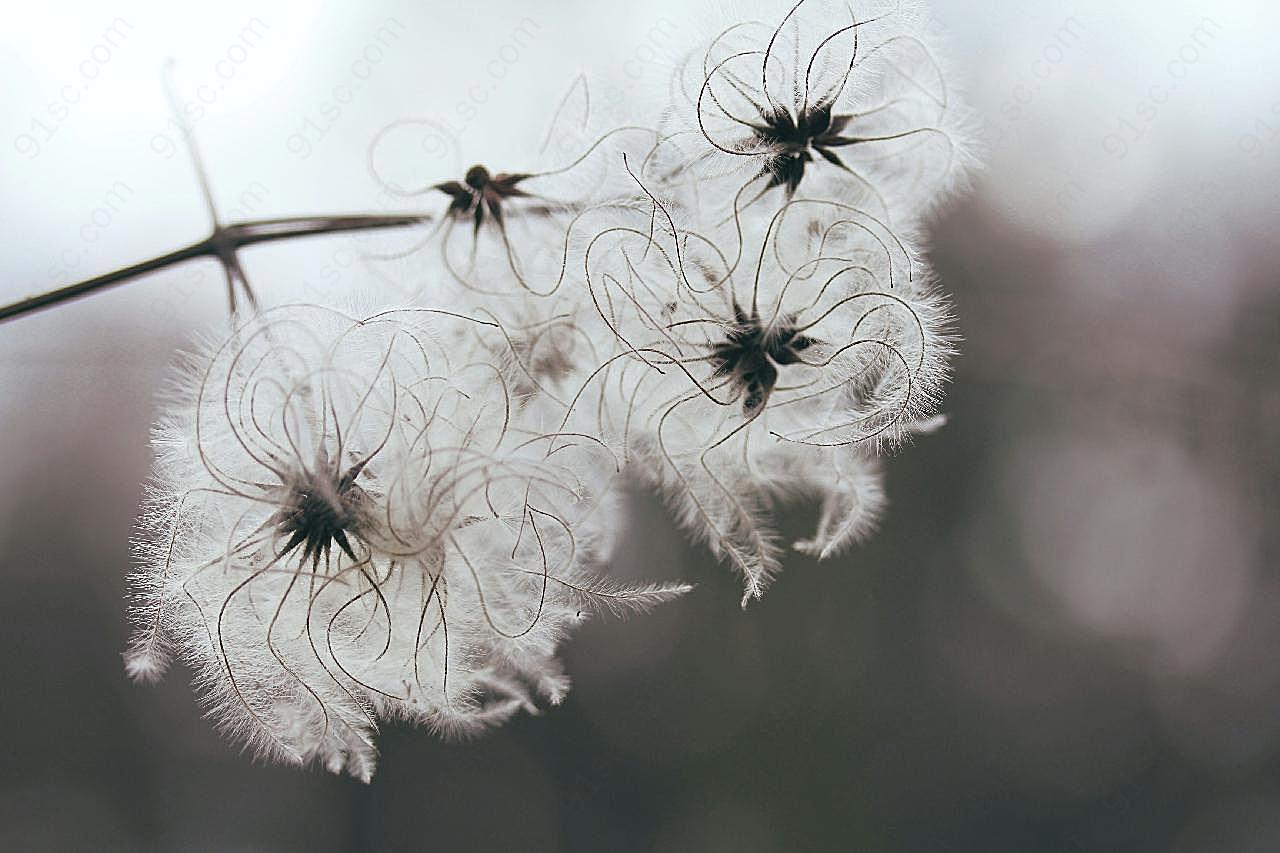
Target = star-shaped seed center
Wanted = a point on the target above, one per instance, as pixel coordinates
(321, 508)
(792, 139)
(750, 356)
(481, 194)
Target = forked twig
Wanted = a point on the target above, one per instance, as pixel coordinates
(222, 243)
(224, 240)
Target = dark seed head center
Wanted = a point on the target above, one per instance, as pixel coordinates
(321, 508)
(795, 137)
(477, 177)
(750, 355)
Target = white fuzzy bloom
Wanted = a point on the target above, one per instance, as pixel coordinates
(349, 522)
(818, 99)
(736, 381)
(505, 231)
(400, 515)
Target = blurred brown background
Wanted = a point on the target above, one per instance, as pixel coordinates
(1064, 637)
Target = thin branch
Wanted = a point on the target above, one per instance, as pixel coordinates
(221, 244)
(188, 136)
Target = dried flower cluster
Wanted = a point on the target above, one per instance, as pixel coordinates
(399, 516)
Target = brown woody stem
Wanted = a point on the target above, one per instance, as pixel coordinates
(220, 244)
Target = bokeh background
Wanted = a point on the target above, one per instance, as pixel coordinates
(1065, 637)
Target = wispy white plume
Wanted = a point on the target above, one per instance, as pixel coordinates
(346, 525)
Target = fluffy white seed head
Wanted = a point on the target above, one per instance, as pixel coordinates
(781, 369)
(348, 523)
(817, 99)
(400, 515)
